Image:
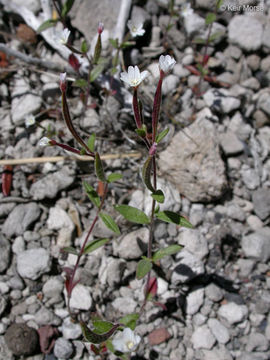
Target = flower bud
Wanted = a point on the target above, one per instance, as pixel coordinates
(63, 82)
(100, 28)
(153, 149)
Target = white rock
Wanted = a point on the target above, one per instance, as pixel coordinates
(187, 267)
(70, 330)
(233, 313)
(219, 331)
(60, 220)
(31, 264)
(194, 242)
(194, 301)
(124, 305)
(81, 298)
(257, 244)
(202, 338)
(132, 245)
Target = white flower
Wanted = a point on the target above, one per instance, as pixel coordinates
(30, 120)
(126, 341)
(63, 77)
(166, 63)
(44, 141)
(186, 10)
(133, 77)
(135, 28)
(63, 37)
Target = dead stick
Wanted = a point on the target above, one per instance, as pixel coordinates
(61, 158)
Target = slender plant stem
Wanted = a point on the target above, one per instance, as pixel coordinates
(85, 242)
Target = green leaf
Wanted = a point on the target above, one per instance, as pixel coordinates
(170, 250)
(130, 320)
(210, 18)
(67, 7)
(70, 250)
(219, 3)
(101, 326)
(158, 196)
(84, 47)
(109, 346)
(92, 194)
(97, 70)
(172, 217)
(91, 142)
(94, 338)
(132, 214)
(46, 25)
(215, 36)
(114, 177)
(126, 44)
(99, 168)
(141, 132)
(199, 41)
(157, 209)
(109, 222)
(162, 135)
(114, 43)
(201, 69)
(143, 268)
(95, 244)
(146, 173)
(81, 83)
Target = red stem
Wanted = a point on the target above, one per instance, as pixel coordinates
(156, 107)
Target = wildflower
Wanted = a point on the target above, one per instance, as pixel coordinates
(166, 63)
(100, 28)
(153, 149)
(135, 28)
(29, 120)
(63, 37)
(63, 81)
(44, 141)
(133, 77)
(126, 341)
(186, 10)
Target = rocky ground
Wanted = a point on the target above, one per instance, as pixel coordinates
(214, 168)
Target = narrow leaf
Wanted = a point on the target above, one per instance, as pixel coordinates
(101, 326)
(97, 70)
(219, 3)
(114, 43)
(132, 214)
(109, 222)
(92, 194)
(114, 177)
(210, 18)
(99, 168)
(172, 217)
(143, 268)
(94, 338)
(46, 25)
(95, 244)
(81, 83)
(162, 135)
(130, 320)
(199, 41)
(215, 36)
(91, 142)
(146, 173)
(67, 7)
(158, 196)
(70, 250)
(170, 250)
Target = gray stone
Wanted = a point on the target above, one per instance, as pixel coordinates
(5, 353)
(32, 5)
(261, 202)
(180, 71)
(20, 219)
(3, 305)
(133, 245)
(235, 212)
(194, 301)
(170, 84)
(193, 24)
(264, 102)
(187, 267)
(19, 245)
(51, 184)
(70, 330)
(213, 292)
(59, 220)
(31, 264)
(45, 316)
(219, 331)
(245, 266)
(196, 215)
(53, 287)
(112, 271)
(90, 120)
(4, 253)
(202, 338)
(266, 36)
(217, 354)
(63, 349)
(125, 305)
(81, 298)
(221, 100)
(194, 242)
(254, 222)
(257, 245)
(257, 342)
(231, 145)
(246, 32)
(250, 177)
(203, 178)
(21, 339)
(233, 313)
(87, 14)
